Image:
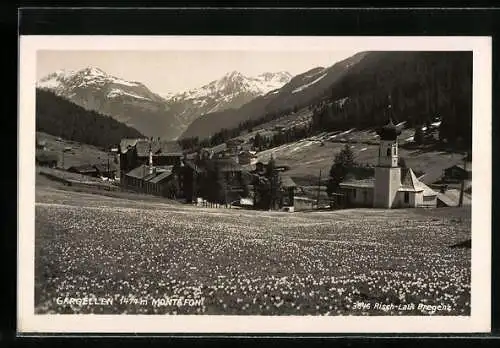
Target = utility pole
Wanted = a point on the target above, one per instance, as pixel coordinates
(319, 189)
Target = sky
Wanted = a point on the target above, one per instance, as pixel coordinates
(175, 71)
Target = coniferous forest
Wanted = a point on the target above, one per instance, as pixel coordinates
(60, 117)
(419, 86)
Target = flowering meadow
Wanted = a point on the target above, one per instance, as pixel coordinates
(246, 262)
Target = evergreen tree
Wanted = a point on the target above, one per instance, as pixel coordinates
(418, 138)
(342, 163)
(257, 141)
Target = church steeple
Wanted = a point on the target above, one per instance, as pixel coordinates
(387, 172)
(389, 131)
(388, 148)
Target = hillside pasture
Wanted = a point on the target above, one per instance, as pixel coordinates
(246, 262)
(77, 153)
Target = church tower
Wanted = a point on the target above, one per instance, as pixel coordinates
(387, 171)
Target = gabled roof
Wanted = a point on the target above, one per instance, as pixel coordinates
(159, 148)
(287, 182)
(139, 173)
(103, 167)
(160, 176)
(467, 167)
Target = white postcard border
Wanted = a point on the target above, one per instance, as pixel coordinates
(480, 319)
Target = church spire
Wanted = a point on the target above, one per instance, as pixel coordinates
(389, 131)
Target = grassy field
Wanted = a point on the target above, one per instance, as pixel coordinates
(88, 245)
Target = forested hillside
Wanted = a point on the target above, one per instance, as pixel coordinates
(60, 117)
(419, 86)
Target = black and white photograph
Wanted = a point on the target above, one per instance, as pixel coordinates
(260, 183)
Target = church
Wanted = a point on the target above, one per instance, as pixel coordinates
(392, 186)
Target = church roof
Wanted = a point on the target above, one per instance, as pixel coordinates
(410, 182)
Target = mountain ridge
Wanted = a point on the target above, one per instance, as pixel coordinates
(302, 90)
(134, 104)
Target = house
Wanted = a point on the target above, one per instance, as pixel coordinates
(135, 152)
(263, 182)
(392, 186)
(247, 157)
(191, 175)
(358, 193)
(233, 146)
(84, 169)
(107, 170)
(214, 151)
(197, 178)
(233, 177)
(151, 180)
(458, 172)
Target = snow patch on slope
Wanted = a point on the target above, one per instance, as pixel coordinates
(118, 92)
(308, 84)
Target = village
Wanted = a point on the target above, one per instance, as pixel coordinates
(230, 175)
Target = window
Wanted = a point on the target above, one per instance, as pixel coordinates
(389, 152)
(365, 196)
(354, 193)
(407, 197)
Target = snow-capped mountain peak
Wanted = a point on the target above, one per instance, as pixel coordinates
(86, 77)
(127, 101)
(231, 91)
(235, 83)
